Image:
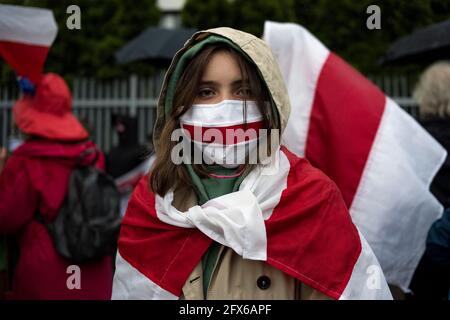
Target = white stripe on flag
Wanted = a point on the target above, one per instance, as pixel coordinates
(130, 284)
(27, 25)
(296, 49)
(393, 206)
(367, 281)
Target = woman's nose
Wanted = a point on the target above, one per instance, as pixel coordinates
(225, 95)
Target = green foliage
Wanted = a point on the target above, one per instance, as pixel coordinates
(106, 25)
(340, 25)
(207, 14)
(249, 15)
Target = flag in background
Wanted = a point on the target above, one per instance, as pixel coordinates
(382, 160)
(26, 35)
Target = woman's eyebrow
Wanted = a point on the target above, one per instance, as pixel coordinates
(215, 83)
(208, 83)
(240, 82)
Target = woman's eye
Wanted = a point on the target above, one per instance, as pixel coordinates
(204, 93)
(244, 92)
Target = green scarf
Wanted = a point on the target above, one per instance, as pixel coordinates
(209, 188)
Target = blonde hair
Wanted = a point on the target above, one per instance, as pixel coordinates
(432, 92)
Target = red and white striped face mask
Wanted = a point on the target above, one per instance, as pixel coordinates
(225, 132)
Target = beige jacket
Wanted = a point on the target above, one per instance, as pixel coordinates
(236, 278)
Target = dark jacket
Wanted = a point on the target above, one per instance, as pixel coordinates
(440, 130)
(431, 279)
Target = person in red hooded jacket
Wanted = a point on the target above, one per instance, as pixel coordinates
(35, 179)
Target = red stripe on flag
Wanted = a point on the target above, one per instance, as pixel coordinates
(164, 253)
(310, 218)
(310, 234)
(344, 121)
(234, 137)
(25, 59)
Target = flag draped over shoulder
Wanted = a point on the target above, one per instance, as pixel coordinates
(381, 159)
(26, 35)
(292, 216)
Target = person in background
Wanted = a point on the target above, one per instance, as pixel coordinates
(14, 141)
(432, 93)
(129, 161)
(3, 244)
(34, 180)
(432, 277)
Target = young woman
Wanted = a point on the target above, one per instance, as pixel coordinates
(216, 218)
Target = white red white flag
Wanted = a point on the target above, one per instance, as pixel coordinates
(26, 35)
(381, 159)
(289, 215)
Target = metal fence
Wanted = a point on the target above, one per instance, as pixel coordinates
(95, 102)
(400, 89)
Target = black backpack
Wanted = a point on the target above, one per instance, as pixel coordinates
(88, 222)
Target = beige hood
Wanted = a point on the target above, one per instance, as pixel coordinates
(256, 49)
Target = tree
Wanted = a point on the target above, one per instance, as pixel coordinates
(249, 15)
(340, 25)
(206, 14)
(105, 26)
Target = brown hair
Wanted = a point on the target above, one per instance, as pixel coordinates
(165, 174)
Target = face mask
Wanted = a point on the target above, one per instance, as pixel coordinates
(221, 132)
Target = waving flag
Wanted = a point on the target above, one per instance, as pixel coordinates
(26, 35)
(382, 160)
